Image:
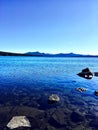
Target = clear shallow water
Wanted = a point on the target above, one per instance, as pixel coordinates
(28, 81)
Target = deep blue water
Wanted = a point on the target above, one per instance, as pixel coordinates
(28, 81)
(30, 71)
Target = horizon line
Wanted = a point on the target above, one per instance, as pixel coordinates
(48, 52)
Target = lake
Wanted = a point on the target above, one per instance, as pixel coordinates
(27, 82)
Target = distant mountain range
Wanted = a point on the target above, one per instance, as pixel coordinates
(10, 54)
(45, 54)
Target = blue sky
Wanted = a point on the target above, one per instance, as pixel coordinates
(51, 26)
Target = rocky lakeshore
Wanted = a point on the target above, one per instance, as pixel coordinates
(48, 94)
(70, 112)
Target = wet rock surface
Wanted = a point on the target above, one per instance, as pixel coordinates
(81, 89)
(86, 73)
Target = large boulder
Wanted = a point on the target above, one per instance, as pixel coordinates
(18, 121)
(86, 73)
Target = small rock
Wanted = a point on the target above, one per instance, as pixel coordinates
(81, 89)
(96, 92)
(18, 121)
(53, 98)
(95, 73)
(86, 73)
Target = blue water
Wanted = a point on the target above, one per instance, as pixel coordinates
(28, 81)
(27, 71)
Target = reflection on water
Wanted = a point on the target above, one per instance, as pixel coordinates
(27, 82)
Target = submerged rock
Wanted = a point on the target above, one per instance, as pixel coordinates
(58, 118)
(81, 89)
(76, 117)
(96, 92)
(94, 123)
(53, 98)
(18, 121)
(86, 73)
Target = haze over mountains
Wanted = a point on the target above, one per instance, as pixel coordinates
(45, 54)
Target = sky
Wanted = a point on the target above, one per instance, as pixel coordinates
(50, 26)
